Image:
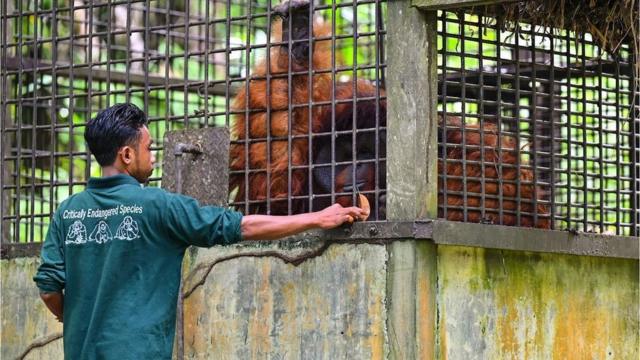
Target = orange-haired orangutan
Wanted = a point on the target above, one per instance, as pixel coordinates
(493, 158)
(265, 114)
(295, 144)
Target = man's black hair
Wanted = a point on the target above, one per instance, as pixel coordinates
(113, 128)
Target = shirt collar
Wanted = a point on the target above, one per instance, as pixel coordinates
(111, 181)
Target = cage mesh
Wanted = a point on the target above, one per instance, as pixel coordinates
(537, 127)
(182, 62)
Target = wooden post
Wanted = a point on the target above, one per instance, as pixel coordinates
(412, 177)
(195, 164)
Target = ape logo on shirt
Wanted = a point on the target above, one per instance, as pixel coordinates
(77, 233)
(128, 229)
(101, 233)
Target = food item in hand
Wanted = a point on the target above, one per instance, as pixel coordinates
(363, 203)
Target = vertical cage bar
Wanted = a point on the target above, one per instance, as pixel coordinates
(499, 125)
(518, 126)
(635, 144)
(167, 62)
(309, 109)
(72, 88)
(109, 46)
(185, 95)
(379, 76)
(34, 123)
(54, 118)
(354, 100)
(583, 127)
(127, 83)
(89, 85)
(569, 132)
(481, 123)
(619, 182)
(145, 48)
(269, 140)
(534, 142)
(463, 116)
(333, 101)
(206, 56)
(4, 213)
(18, 122)
(444, 100)
(552, 114)
(601, 147)
(289, 110)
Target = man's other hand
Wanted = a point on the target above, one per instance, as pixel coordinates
(54, 302)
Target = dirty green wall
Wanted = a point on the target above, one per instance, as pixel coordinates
(507, 304)
(490, 304)
(25, 319)
(328, 307)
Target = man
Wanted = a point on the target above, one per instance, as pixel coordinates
(120, 293)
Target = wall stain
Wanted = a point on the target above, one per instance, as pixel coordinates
(537, 305)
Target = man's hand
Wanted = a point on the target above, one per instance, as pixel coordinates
(54, 302)
(336, 215)
(265, 227)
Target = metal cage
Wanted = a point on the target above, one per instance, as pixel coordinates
(182, 62)
(306, 112)
(537, 127)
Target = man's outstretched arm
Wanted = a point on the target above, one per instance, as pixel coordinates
(54, 302)
(266, 227)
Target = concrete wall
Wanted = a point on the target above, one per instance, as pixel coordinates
(25, 320)
(490, 304)
(329, 307)
(496, 304)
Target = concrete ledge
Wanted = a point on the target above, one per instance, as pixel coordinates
(537, 240)
(17, 250)
(444, 232)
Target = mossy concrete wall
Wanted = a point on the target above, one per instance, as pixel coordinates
(328, 307)
(25, 319)
(489, 304)
(496, 304)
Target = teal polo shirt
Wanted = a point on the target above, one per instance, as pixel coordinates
(116, 250)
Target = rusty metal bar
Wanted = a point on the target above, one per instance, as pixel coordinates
(450, 233)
